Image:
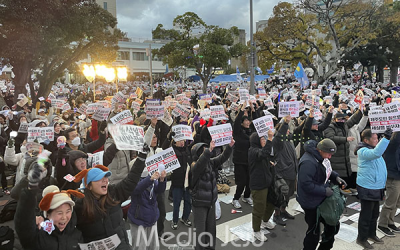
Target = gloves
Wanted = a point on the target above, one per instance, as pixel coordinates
(142, 155)
(35, 175)
(103, 126)
(47, 141)
(328, 192)
(388, 133)
(366, 109)
(11, 143)
(171, 134)
(341, 182)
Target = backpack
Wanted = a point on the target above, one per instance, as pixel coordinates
(277, 190)
(332, 207)
(8, 211)
(6, 238)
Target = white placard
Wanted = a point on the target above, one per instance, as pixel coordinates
(218, 113)
(232, 98)
(205, 113)
(180, 97)
(95, 159)
(167, 119)
(93, 107)
(127, 137)
(269, 104)
(181, 111)
(380, 122)
(23, 128)
(101, 114)
(221, 134)
(289, 108)
(166, 157)
(182, 132)
(263, 125)
(135, 107)
(244, 95)
(155, 111)
(110, 243)
(124, 117)
(41, 134)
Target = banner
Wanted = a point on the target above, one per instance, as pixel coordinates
(95, 159)
(218, 113)
(23, 128)
(380, 122)
(57, 103)
(127, 137)
(263, 125)
(182, 132)
(101, 114)
(181, 111)
(40, 134)
(221, 134)
(124, 117)
(288, 108)
(166, 157)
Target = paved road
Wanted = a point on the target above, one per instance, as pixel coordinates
(288, 237)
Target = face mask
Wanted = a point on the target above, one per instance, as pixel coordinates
(340, 124)
(76, 142)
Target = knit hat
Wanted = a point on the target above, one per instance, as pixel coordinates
(53, 198)
(327, 145)
(94, 174)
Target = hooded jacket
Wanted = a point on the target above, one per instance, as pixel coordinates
(144, 208)
(33, 238)
(242, 138)
(338, 134)
(311, 179)
(316, 135)
(69, 168)
(259, 166)
(372, 172)
(355, 132)
(204, 171)
(116, 160)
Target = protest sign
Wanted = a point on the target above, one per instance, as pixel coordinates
(40, 134)
(82, 109)
(391, 107)
(93, 107)
(66, 107)
(135, 107)
(269, 104)
(23, 101)
(21, 96)
(101, 114)
(263, 124)
(51, 96)
(234, 106)
(359, 97)
(232, 98)
(95, 159)
(154, 111)
(23, 128)
(124, 117)
(118, 98)
(127, 137)
(166, 157)
(380, 122)
(182, 132)
(180, 97)
(205, 97)
(57, 103)
(34, 146)
(167, 119)
(317, 114)
(205, 113)
(288, 108)
(244, 95)
(221, 134)
(181, 111)
(262, 94)
(218, 113)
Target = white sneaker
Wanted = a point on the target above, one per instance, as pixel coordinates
(248, 201)
(236, 204)
(268, 225)
(260, 236)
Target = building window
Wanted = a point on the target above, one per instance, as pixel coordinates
(139, 56)
(123, 55)
(105, 5)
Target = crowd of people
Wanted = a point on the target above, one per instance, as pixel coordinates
(64, 201)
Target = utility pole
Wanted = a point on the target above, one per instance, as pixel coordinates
(252, 82)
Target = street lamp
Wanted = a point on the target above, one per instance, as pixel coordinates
(90, 74)
(109, 75)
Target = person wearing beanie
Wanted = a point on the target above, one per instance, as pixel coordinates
(59, 230)
(143, 212)
(74, 162)
(314, 177)
(99, 213)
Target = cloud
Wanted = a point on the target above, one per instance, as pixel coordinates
(139, 17)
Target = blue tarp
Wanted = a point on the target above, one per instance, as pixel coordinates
(194, 78)
(232, 78)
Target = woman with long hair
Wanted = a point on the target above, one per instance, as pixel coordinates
(99, 213)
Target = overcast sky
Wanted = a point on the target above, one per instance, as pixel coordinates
(139, 17)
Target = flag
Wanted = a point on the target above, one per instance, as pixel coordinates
(301, 76)
(259, 70)
(139, 92)
(166, 68)
(279, 96)
(271, 70)
(238, 77)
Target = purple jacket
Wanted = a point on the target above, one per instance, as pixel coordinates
(144, 210)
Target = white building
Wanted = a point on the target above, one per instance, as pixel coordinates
(109, 5)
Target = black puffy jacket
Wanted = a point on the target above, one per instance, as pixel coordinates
(111, 223)
(259, 166)
(242, 138)
(204, 176)
(179, 174)
(33, 238)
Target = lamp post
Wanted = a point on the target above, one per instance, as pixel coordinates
(109, 75)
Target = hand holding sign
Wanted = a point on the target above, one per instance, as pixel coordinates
(163, 175)
(155, 176)
(232, 143)
(212, 145)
